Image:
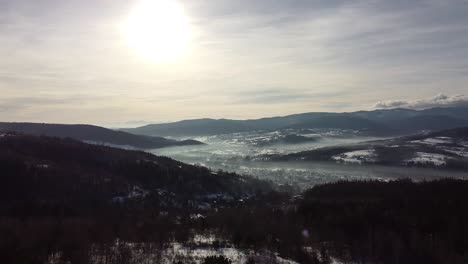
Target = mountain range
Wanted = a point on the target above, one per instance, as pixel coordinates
(388, 122)
(94, 134)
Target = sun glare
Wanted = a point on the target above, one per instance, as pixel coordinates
(157, 30)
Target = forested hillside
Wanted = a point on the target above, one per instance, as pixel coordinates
(64, 201)
(384, 122)
(52, 169)
(95, 135)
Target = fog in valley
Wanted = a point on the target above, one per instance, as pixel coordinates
(245, 153)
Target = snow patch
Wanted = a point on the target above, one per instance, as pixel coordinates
(434, 141)
(174, 252)
(197, 216)
(135, 193)
(8, 134)
(357, 156)
(462, 152)
(138, 192)
(424, 158)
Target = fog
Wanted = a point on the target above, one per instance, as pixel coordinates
(241, 152)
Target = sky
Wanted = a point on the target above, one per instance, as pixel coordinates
(69, 62)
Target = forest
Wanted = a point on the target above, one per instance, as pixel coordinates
(63, 201)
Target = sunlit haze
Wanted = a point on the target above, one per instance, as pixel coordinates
(158, 30)
(233, 131)
(125, 63)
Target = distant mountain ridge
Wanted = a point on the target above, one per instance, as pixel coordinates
(388, 122)
(94, 134)
(204, 126)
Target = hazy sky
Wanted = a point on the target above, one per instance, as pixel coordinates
(67, 61)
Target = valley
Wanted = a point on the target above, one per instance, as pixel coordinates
(291, 195)
(302, 165)
(233, 132)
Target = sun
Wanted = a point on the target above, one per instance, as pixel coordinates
(157, 30)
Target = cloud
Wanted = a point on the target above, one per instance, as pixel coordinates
(269, 96)
(48, 100)
(283, 95)
(317, 55)
(440, 100)
(20, 103)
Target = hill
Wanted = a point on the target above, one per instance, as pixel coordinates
(442, 149)
(53, 169)
(378, 122)
(64, 201)
(197, 127)
(343, 122)
(361, 222)
(94, 134)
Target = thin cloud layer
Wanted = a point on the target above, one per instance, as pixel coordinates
(335, 55)
(440, 100)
